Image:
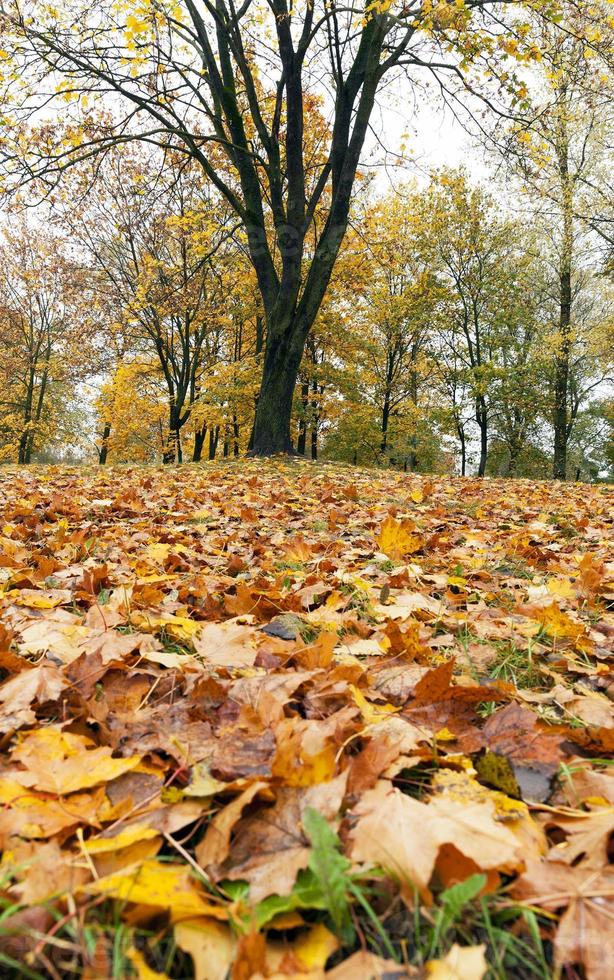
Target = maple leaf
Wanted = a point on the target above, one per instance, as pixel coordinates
(41, 684)
(405, 835)
(60, 762)
(164, 886)
(397, 539)
(586, 898)
(461, 963)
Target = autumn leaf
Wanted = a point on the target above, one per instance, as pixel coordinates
(60, 762)
(165, 886)
(210, 944)
(253, 691)
(397, 539)
(406, 835)
(461, 963)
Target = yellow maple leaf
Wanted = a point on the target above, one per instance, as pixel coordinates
(558, 625)
(164, 886)
(561, 587)
(398, 538)
(461, 963)
(371, 713)
(62, 762)
(130, 835)
(314, 948)
(136, 25)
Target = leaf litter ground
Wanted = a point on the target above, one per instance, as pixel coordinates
(279, 719)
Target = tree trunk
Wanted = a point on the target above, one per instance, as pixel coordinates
(562, 429)
(22, 452)
(385, 421)
(235, 434)
(315, 420)
(481, 416)
(282, 360)
(463, 443)
(174, 452)
(104, 446)
(301, 443)
(561, 380)
(199, 442)
(213, 438)
(314, 440)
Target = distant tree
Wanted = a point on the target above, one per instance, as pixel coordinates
(562, 153)
(46, 319)
(394, 317)
(160, 242)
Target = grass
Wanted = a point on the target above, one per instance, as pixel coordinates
(517, 666)
(364, 910)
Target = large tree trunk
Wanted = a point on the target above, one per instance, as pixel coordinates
(282, 360)
(173, 452)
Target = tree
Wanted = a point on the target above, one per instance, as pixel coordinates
(472, 245)
(399, 298)
(45, 321)
(226, 85)
(133, 409)
(161, 245)
(559, 152)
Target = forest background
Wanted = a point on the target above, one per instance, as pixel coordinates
(467, 323)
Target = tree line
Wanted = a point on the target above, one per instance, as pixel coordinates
(210, 258)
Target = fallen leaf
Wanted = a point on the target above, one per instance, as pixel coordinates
(461, 963)
(162, 885)
(397, 539)
(210, 944)
(60, 762)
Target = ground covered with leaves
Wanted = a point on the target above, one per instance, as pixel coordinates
(268, 720)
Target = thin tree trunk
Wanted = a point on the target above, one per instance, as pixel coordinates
(22, 452)
(104, 445)
(561, 380)
(301, 443)
(315, 420)
(235, 433)
(385, 420)
(314, 440)
(482, 420)
(562, 429)
(463, 443)
(213, 440)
